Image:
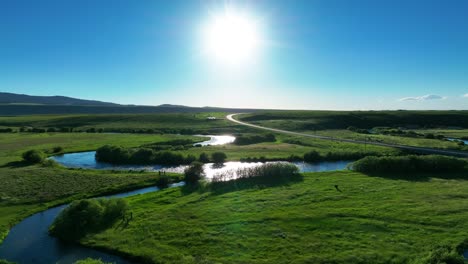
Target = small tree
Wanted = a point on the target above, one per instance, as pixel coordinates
(163, 181)
(204, 158)
(194, 172)
(57, 149)
(218, 157)
(86, 216)
(34, 156)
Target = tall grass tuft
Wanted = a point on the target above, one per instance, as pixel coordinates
(269, 174)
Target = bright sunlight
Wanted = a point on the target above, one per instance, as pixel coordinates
(231, 38)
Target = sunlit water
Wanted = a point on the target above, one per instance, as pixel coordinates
(86, 160)
(215, 140)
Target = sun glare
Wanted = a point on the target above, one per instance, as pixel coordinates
(231, 38)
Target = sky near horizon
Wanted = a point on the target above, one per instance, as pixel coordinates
(311, 54)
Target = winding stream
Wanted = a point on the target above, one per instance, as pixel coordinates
(215, 140)
(29, 241)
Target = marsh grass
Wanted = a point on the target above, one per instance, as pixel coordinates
(265, 175)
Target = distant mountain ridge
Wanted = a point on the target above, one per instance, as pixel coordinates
(12, 98)
(21, 104)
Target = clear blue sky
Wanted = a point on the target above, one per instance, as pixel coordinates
(314, 54)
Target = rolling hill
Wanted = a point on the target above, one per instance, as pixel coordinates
(21, 104)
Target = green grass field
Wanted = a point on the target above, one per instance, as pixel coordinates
(281, 149)
(13, 144)
(373, 220)
(417, 142)
(26, 189)
(334, 124)
(319, 120)
(169, 123)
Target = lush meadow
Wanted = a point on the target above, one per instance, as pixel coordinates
(330, 217)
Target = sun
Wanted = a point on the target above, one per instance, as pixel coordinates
(231, 38)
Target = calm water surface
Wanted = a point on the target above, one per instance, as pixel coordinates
(86, 160)
(216, 140)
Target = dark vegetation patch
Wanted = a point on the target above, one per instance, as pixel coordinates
(87, 216)
(311, 120)
(7, 130)
(314, 156)
(410, 164)
(177, 144)
(388, 131)
(147, 156)
(266, 175)
(120, 155)
(194, 173)
(34, 156)
(163, 123)
(218, 157)
(254, 139)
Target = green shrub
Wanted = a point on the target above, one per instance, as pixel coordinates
(86, 216)
(218, 157)
(6, 130)
(270, 174)
(119, 155)
(411, 163)
(57, 149)
(163, 181)
(312, 156)
(204, 158)
(269, 171)
(34, 156)
(3, 261)
(190, 158)
(193, 173)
